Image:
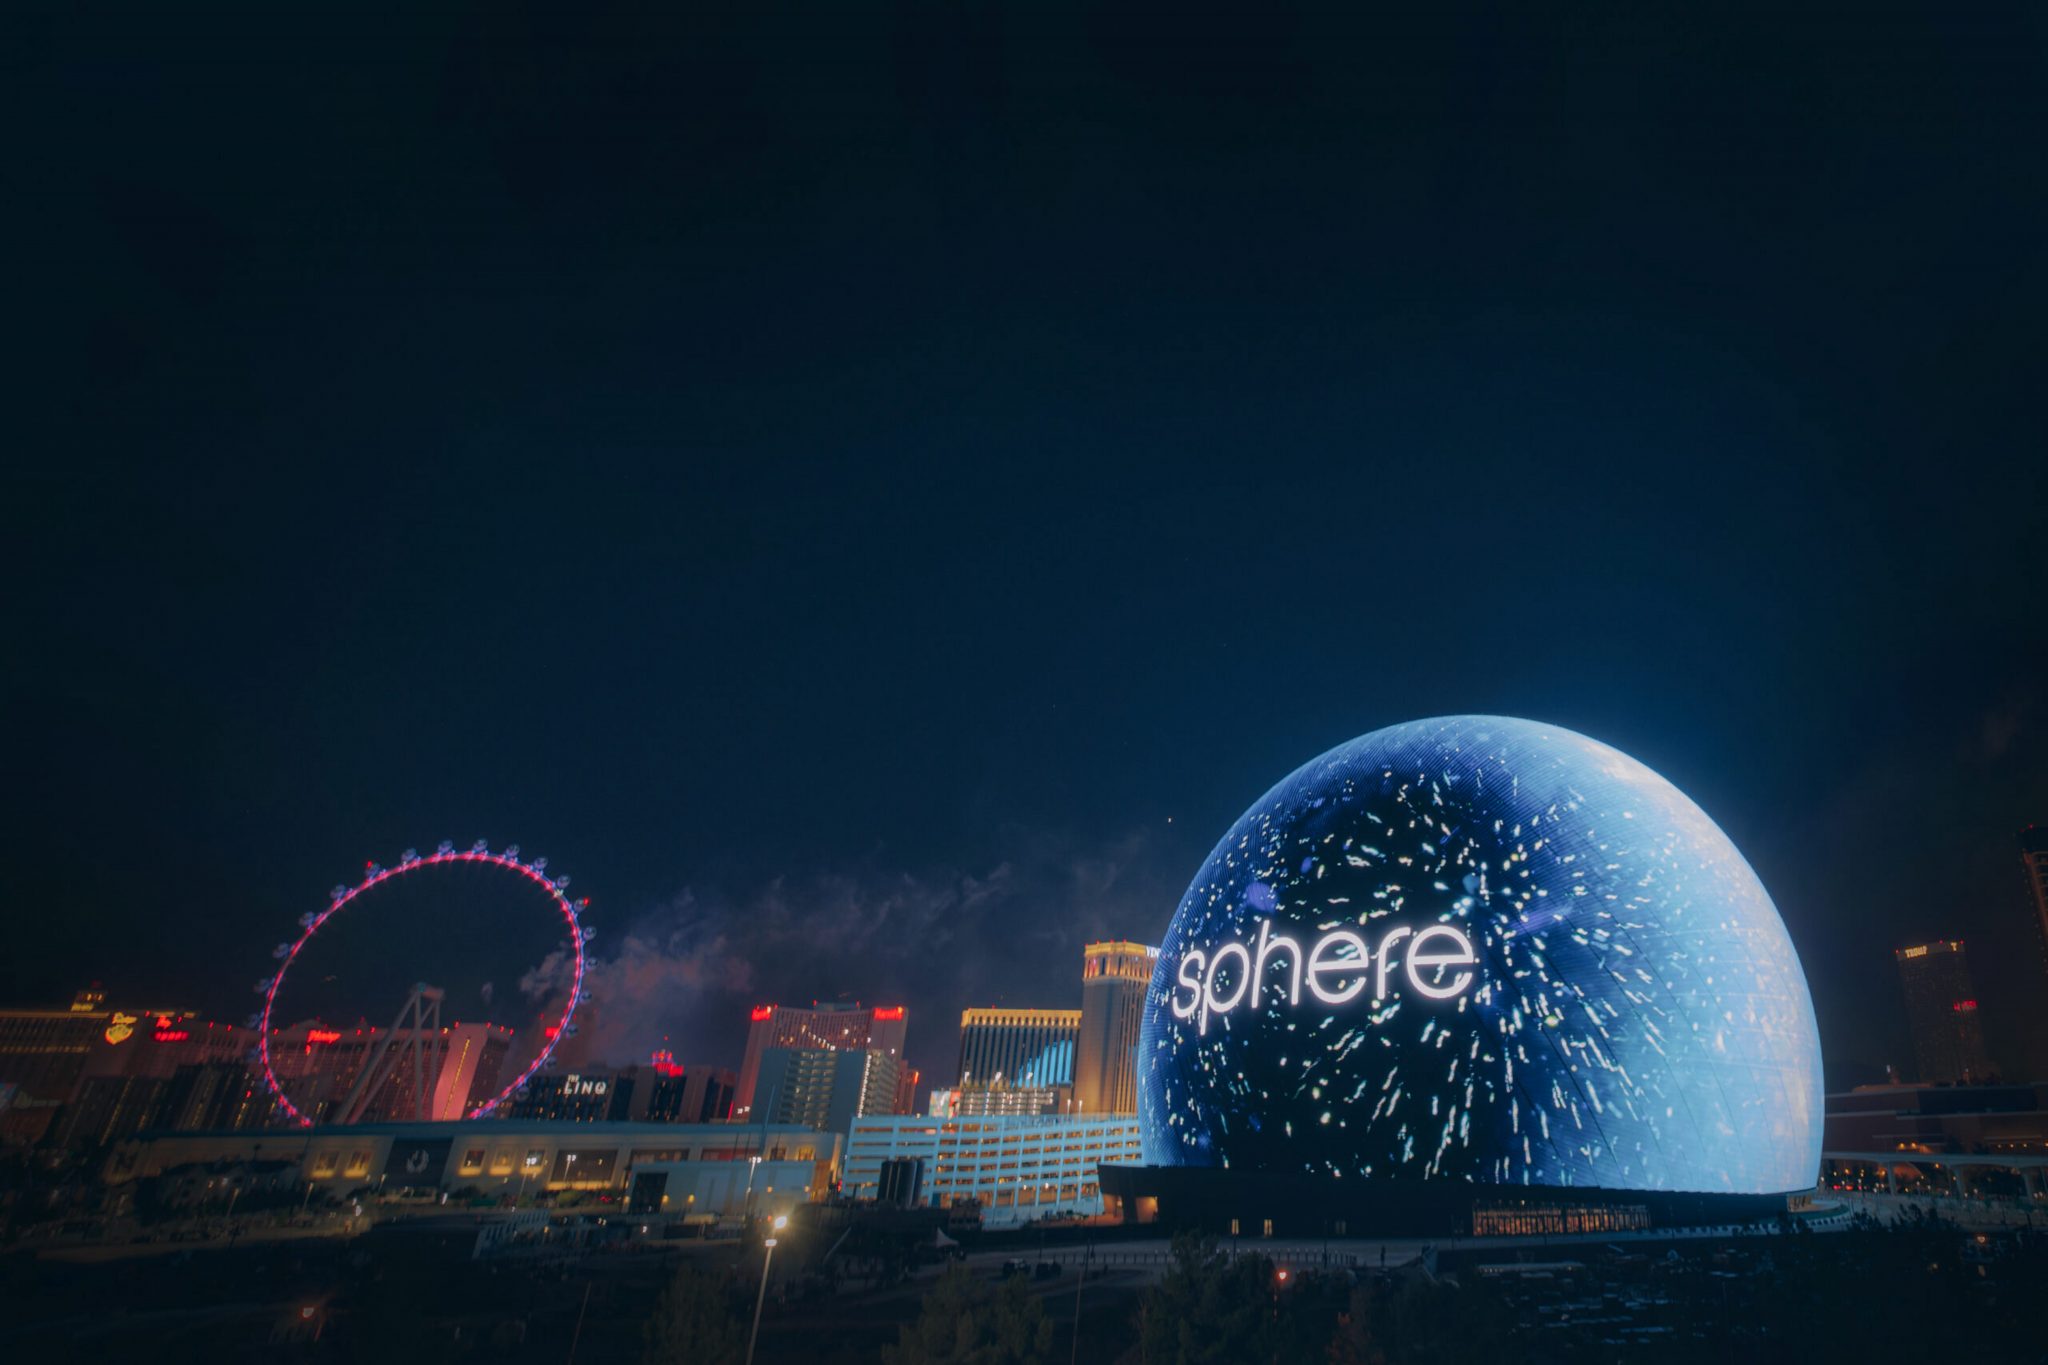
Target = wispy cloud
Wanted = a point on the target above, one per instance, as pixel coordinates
(938, 939)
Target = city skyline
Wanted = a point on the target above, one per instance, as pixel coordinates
(2019, 1022)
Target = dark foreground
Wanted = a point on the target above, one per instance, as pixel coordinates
(1922, 1289)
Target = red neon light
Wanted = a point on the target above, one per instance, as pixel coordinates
(323, 1035)
(762, 1012)
(894, 1012)
(171, 1035)
(1966, 1004)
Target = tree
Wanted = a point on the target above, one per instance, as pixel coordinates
(1413, 1322)
(1210, 1308)
(965, 1322)
(696, 1321)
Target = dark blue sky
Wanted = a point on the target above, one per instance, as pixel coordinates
(841, 481)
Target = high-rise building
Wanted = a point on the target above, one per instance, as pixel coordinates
(1017, 1048)
(48, 1056)
(2034, 859)
(463, 1064)
(1114, 979)
(697, 1093)
(166, 1070)
(1941, 1011)
(834, 1027)
(472, 1060)
(908, 1079)
(2034, 863)
(825, 1088)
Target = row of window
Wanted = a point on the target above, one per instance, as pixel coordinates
(997, 1131)
(508, 1161)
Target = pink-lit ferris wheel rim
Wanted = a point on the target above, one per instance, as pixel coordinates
(534, 872)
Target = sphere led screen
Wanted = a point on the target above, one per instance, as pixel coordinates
(1482, 949)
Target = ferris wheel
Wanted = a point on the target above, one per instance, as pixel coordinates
(422, 1011)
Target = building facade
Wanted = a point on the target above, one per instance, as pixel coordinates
(1017, 1047)
(728, 1168)
(47, 1054)
(1942, 1013)
(450, 1070)
(697, 1093)
(582, 1097)
(1114, 979)
(2034, 863)
(825, 1089)
(2034, 1024)
(1970, 1141)
(978, 1101)
(1017, 1168)
(833, 1027)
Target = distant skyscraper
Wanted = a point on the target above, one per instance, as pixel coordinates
(839, 1027)
(318, 1068)
(1021, 1047)
(472, 1058)
(1114, 979)
(47, 1052)
(825, 1088)
(697, 1093)
(1941, 1010)
(2034, 863)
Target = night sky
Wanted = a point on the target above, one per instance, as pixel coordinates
(874, 492)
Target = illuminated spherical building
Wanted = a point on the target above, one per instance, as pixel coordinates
(1483, 952)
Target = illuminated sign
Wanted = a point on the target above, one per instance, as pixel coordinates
(171, 1035)
(1335, 968)
(120, 1028)
(584, 1085)
(894, 1012)
(323, 1035)
(762, 1012)
(1914, 952)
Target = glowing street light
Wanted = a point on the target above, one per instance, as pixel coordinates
(781, 1222)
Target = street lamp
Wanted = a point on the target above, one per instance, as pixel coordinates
(781, 1222)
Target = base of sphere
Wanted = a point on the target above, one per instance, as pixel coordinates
(1264, 1204)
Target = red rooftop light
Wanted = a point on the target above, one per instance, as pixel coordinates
(761, 1012)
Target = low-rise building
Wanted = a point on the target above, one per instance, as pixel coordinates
(1018, 1168)
(701, 1165)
